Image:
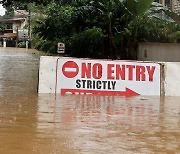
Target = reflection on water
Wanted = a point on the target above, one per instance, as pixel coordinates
(32, 123)
(98, 124)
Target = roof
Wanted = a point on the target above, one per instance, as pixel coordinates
(21, 12)
(9, 35)
(13, 19)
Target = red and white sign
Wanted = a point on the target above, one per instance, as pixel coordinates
(101, 77)
(61, 48)
(70, 69)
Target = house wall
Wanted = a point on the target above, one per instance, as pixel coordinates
(19, 25)
(16, 25)
(167, 52)
(176, 6)
(23, 24)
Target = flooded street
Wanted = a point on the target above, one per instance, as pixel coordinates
(49, 124)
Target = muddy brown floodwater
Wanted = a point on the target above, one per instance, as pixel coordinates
(49, 124)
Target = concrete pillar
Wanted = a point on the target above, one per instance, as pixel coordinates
(163, 2)
(27, 44)
(4, 42)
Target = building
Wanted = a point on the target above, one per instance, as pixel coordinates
(14, 25)
(174, 5)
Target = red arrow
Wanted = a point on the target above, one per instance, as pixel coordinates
(127, 92)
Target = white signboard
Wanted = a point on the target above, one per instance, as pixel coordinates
(61, 48)
(23, 34)
(100, 77)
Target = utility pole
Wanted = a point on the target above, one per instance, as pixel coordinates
(29, 26)
(17, 36)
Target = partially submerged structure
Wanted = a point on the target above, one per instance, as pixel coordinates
(14, 28)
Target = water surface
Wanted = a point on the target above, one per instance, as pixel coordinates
(49, 124)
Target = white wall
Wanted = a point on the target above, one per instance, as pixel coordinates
(47, 74)
(16, 25)
(19, 25)
(172, 78)
(166, 52)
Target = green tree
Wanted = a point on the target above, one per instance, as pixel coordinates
(87, 43)
(118, 25)
(57, 24)
(145, 20)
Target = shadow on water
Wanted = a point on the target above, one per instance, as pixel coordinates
(44, 123)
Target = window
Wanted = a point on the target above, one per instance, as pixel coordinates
(167, 3)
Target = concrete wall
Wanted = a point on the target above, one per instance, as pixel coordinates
(171, 82)
(47, 74)
(170, 76)
(19, 24)
(168, 52)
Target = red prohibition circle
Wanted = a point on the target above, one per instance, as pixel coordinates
(70, 69)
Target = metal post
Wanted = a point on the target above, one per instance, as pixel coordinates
(29, 25)
(17, 35)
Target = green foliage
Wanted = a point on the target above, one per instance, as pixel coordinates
(155, 30)
(120, 25)
(119, 36)
(137, 7)
(38, 44)
(9, 11)
(22, 44)
(37, 2)
(58, 23)
(14, 2)
(2, 27)
(87, 43)
(143, 6)
(46, 45)
(56, 26)
(175, 36)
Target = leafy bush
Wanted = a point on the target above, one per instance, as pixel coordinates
(47, 46)
(87, 43)
(38, 44)
(22, 44)
(121, 25)
(175, 36)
